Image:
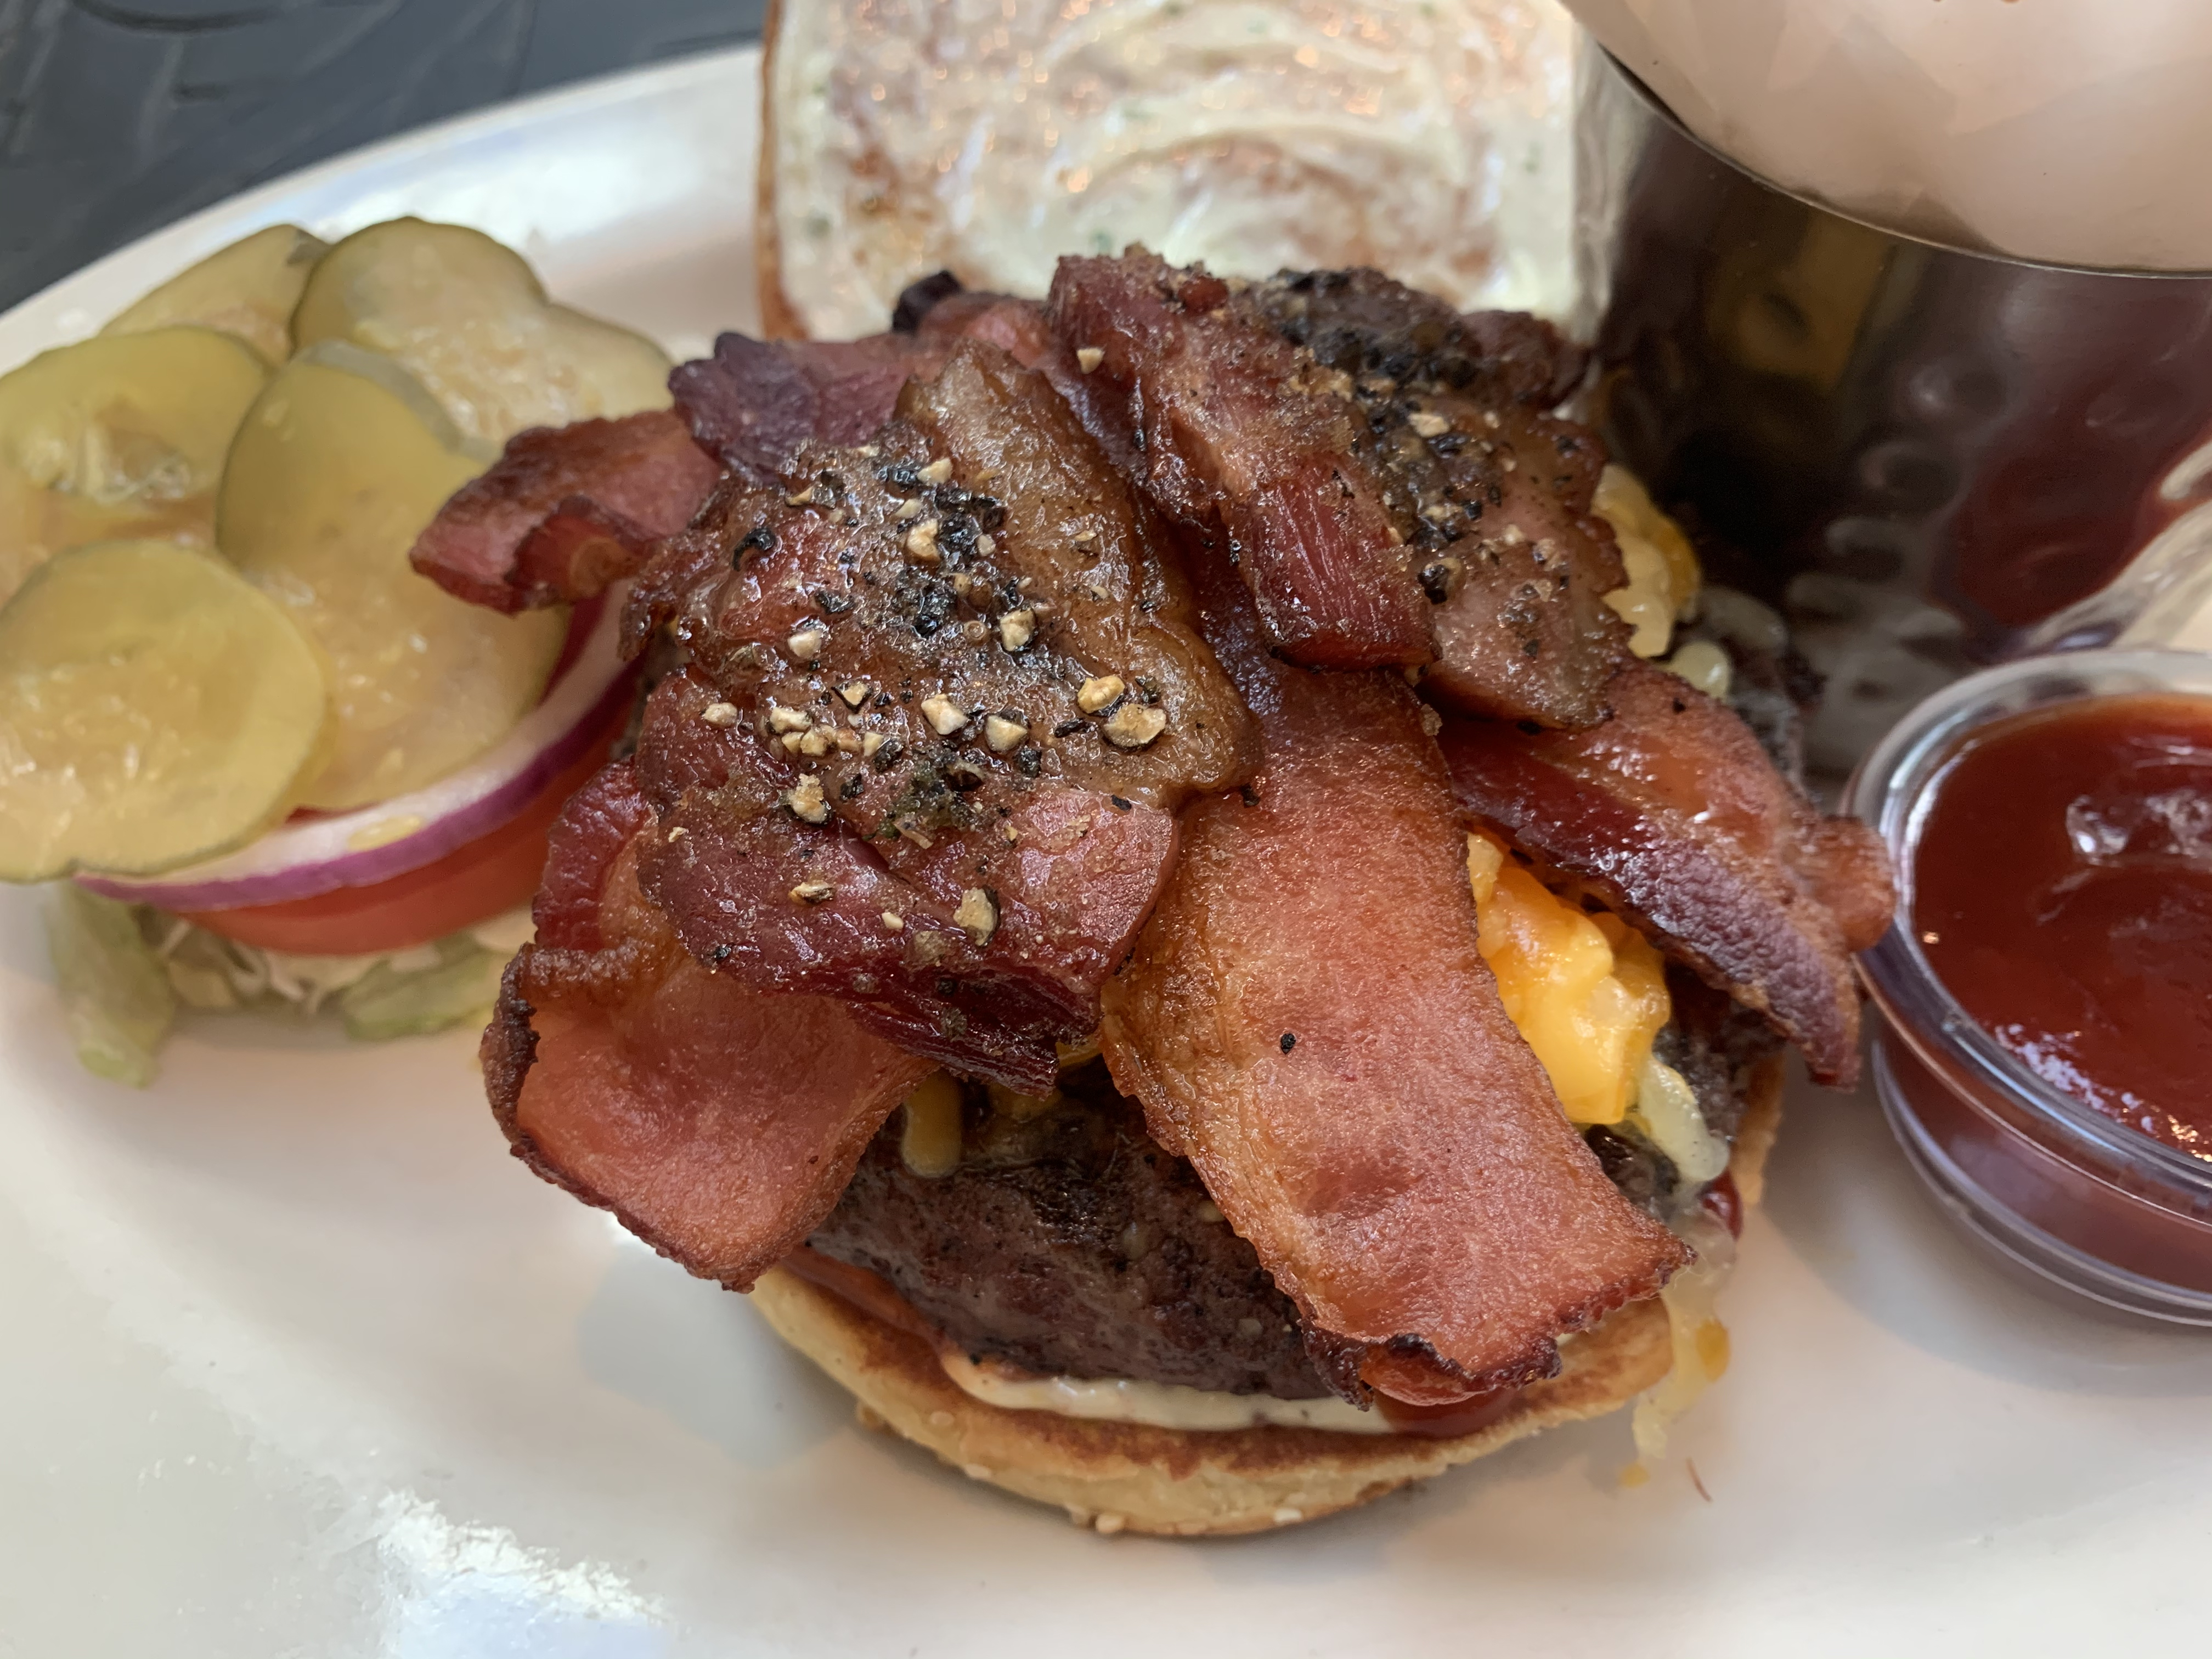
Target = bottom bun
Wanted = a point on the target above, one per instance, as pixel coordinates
(1138, 1478)
(1133, 1475)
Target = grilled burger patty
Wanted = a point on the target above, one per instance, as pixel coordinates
(1069, 1243)
(1715, 1046)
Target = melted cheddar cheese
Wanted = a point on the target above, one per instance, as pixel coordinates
(1590, 995)
(1586, 991)
(1663, 578)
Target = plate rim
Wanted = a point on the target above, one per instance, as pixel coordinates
(45, 320)
(227, 218)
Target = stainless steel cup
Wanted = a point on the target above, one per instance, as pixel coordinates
(1930, 457)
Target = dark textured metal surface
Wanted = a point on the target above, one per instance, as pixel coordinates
(1927, 457)
(119, 116)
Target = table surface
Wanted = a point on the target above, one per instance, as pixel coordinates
(119, 116)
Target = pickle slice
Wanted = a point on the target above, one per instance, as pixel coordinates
(336, 471)
(248, 289)
(156, 708)
(118, 437)
(468, 318)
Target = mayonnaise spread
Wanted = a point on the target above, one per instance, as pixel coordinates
(1163, 1405)
(990, 136)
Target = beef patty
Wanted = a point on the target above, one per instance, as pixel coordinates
(1069, 1243)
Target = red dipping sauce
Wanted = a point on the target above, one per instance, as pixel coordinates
(2061, 892)
(2045, 1053)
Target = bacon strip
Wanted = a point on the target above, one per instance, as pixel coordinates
(729, 866)
(718, 1126)
(905, 634)
(756, 402)
(1382, 467)
(597, 822)
(1673, 815)
(1229, 425)
(1493, 493)
(565, 512)
(1307, 1019)
(1021, 328)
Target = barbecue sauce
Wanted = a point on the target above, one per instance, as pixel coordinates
(2063, 894)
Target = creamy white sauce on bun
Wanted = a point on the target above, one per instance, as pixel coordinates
(989, 136)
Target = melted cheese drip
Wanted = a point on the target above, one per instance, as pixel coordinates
(1587, 992)
(929, 1144)
(990, 136)
(1663, 578)
(1701, 1341)
(1163, 1405)
(1667, 1112)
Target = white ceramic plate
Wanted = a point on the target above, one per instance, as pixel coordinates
(296, 1360)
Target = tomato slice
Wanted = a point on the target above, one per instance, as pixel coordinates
(471, 884)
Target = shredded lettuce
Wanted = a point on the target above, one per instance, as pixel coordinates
(117, 998)
(124, 969)
(391, 1002)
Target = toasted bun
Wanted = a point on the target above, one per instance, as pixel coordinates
(1133, 1476)
(779, 319)
(1115, 1476)
(877, 166)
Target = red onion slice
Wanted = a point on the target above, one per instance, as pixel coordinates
(308, 856)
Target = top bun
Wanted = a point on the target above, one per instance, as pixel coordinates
(1431, 142)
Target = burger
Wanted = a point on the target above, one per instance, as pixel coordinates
(1181, 909)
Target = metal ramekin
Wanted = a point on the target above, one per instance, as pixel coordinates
(1929, 456)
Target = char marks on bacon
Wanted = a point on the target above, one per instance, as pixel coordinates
(1493, 493)
(566, 511)
(755, 403)
(718, 1125)
(1022, 328)
(1382, 467)
(1230, 426)
(1307, 1019)
(900, 637)
(785, 906)
(1671, 813)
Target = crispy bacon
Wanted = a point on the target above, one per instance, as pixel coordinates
(756, 404)
(1361, 322)
(1021, 328)
(972, 568)
(1306, 1018)
(1671, 813)
(597, 822)
(785, 906)
(760, 404)
(565, 512)
(1369, 453)
(1230, 424)
(718, 1125)
(1494, 492)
